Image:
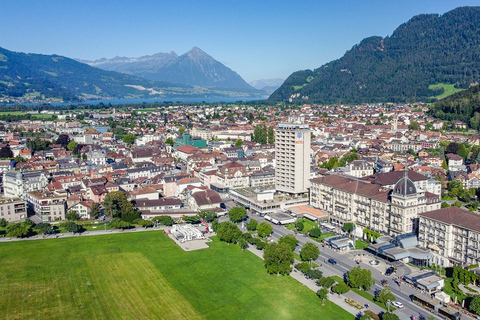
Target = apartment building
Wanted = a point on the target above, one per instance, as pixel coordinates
(13, 209)
(46, 205)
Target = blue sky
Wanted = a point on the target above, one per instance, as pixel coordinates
(257, 39)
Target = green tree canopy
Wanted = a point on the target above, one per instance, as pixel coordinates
(116, 204)
(289, 240)
(475, 304)
(384, 295)
(44, 228)
(252, 225)
(264, 229)
(207, 216)
(71, 215)
(360, 278)
(237, 214)
(278, 258)
(164, 220)
(348, 227)
(95, 210)
(19, 230)
(309, 252)
(228, 232)
(323, 295)
(238, 143)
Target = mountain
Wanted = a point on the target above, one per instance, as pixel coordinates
(268, 85)
(194, 68)
(52, 78)
(26, 77)
(140, 67)
(427, 50)
(463, 105)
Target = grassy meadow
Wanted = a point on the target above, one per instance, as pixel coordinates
(146, 275)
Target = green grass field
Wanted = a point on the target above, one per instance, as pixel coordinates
(146, 276)
(449, 89)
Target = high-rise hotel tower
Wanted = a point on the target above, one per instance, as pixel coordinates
(292, 156)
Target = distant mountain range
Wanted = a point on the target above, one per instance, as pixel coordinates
(51, 78)
(428, 50)
(194, 68)
(268, 85)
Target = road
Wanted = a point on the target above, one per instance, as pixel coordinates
(345, 261)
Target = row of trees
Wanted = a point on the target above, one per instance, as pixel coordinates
(263, 135)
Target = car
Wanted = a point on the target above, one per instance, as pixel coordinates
(389, 271)
(397, 304)
(223, 206)
(332, 261)
(385, 283)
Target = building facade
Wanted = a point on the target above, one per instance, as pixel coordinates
(13, 209)
(292, 155)
(17, 184)
(452, 234)
(384, 210)
(47, 206)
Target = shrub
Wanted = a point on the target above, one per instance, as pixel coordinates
(313, 274)
(326, 282)
(315, 233)
(303, 266)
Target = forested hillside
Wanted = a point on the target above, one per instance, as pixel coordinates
(464, 106)
(429, 49)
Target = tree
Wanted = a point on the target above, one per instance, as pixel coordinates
(242, 243)
(44, 228)
(207, 216)
(63, 139)
(290, 240)
(238, 143)
(260, 134)
(414, 125)
(72, 145)
(117, 223)
(299, 226)
(252, 225)
(348, 227)
(313, 274)
(360, 278)
(237, 214)
(475, 304)
(19, 230)
(271, 135)
(129, 138)
(384, 295)
(164, 220)
(309, 252)
(71, 215)
(71, 226)
(228, 232)
(326, 282)
(303, 266)
(315, 232)
(277, 258)
(170, 141)
(116, 204)
(3, 223)
(95, 210)
(144, 223)
(6, 152)
(463, 151)
(389, 316)
(181, 130)
(323, 295)
(341, 288)
(264, 229)
(131, 216)
(84, 156)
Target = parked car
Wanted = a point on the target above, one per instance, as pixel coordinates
(389, 271)
(397, 304)
(332, 261)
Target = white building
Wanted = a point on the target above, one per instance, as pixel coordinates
(292, 156)
(17, 184)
